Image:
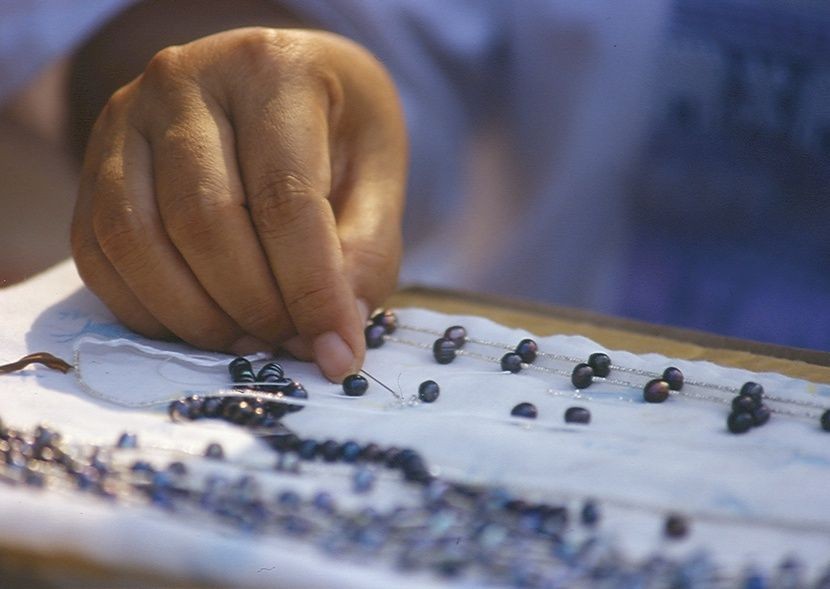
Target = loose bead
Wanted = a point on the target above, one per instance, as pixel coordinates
(760, 415)
(511, 362)
(527, 410)
(754, 390)
(825, 423)
(600, 363)
(739, 423)
(676, 526)
(443, 350)
(355, 385)
(457, 335)
(577, 415)
(363, 481)
(744, 403)
(374, 336)
(214, 451)
(527, 350)
(582, 376)
(656, 391)
(428, 391)
(387, 320)
(673, 376)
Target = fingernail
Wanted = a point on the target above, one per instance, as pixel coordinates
(333, 355)
(363, 309)
(249, 345)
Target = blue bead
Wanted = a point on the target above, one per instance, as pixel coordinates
(127, 440)
(511, 362)
(324, 501)
(177, 468)
(825, 425)
(527, 350)
(674, 377)
(577, 415)
(752, 389)
(656, 391)
(739, 423)
(589, 514)
(363, 481)
(308, 449)
(355, 385)
(374, 336)
(582, 376)
(214, 451)
(350, 451)
(527, 410)
(600, 363)
(457, 335)
(142, 466)
(212, 407)
(744, 404)
(675, 526)
(428, 391)
(444, 350)
(178, 410)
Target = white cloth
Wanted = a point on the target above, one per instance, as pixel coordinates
(638, 460)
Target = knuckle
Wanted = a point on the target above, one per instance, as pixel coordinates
(282, 200)
(193, 214)
(163, 66)
(311, 300)
(265, 49)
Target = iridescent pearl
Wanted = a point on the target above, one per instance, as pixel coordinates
(582, 376)
(457, 335)
(443, 350)
(387, 320)
(527, 410)
(527, 350)
(739, 423)
(428, 391)
(674, 377)
(511, 362)
(355, 385)
(600, 363)
(214, 451)
(656, 391)
(374, 336)
(760, 415)
(752, 389)
(577, 415)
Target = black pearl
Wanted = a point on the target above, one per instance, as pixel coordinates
(825, 420)
(744, 403)
(656, 391)
(527, 410)
(387, 320)
(330, 450)
(443, 350)
(582, 376)
(752, 389)
(212, 407)
(577, 415)
(272, 370)
(527, 350)
(739, 423)
(675, 526)
(600, 363)
(355, 385)
(428, 391)
(673, 376)
(374, 336)
(760, 415)
(214, 451)
(178, 410)
(457, 335)
(371, 453)
(238, 365)
(511, 362)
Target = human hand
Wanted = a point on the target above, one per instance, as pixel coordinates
(245, 193)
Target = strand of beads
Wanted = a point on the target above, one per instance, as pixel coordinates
(597, 368)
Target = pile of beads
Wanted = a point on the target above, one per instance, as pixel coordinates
(748, 409)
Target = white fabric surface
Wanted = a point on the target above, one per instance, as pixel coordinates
(638, 460)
